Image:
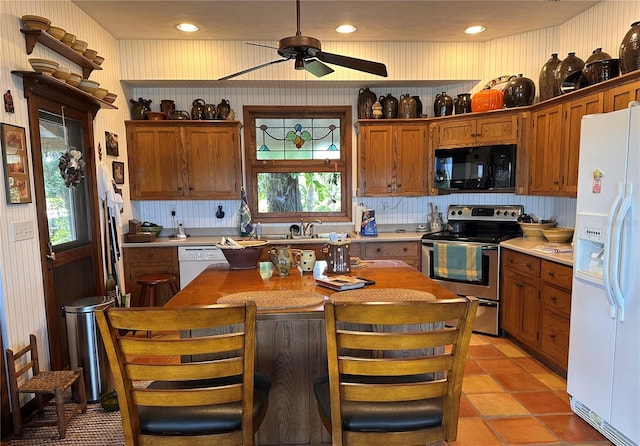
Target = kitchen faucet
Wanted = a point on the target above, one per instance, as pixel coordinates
(306, 229)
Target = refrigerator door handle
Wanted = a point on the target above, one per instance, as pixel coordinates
(616, 248)
(608, 257)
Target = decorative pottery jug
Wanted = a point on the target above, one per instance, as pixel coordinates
(223, 109)
(519, 92)
(567, 66)
(443, 105)
(487, 99)
(406, 107)
(140, 108)
(596, 54)
(630, 49)
(210, 112)
(338, 257)
(389, 106)
(547, 79)
(377, 110)
(601, 70)
(462, 104)
(179, 114)
(418, 106)
(363, 95)
(284, 258)
(167, 106)
(197, 111)
(307, 260)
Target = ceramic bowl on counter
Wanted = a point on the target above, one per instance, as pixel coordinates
(245, 255)
(74, 79)
(44, 66)
(558, 235)
(88, 85)
(534, 230)
(155, 116)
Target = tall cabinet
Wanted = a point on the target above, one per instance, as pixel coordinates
(184, 159)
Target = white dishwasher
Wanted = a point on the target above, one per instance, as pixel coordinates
(194, 259)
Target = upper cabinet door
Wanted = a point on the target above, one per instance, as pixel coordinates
(213, 161)
(156, 162)
(410, 156)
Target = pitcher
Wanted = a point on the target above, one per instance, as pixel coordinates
(338, 257)
(284, 258)
(307, 260)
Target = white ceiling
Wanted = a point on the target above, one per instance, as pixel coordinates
(375, 20)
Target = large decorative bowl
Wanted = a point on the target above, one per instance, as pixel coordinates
(44, 66)
(88, 85)
(74, 79)
(36, 22)
(534, 230)
(558, 235)
(245, 256)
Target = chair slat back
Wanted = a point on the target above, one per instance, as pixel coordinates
(222, 337)
(394, 352)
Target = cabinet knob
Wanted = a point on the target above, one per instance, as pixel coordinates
(378, 250)
(519, 284)
(399, 186)
(528, 265)
(552, 335)
(551, 273)
(554, 299)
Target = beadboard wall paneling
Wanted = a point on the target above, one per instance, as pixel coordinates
(21, 294)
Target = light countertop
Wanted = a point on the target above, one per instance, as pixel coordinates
(528, 245)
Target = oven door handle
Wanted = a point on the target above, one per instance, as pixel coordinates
(429, 246)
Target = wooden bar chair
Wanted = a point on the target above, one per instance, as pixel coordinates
(212, 396)
(150, 282)
(28, 378)
(382, 389)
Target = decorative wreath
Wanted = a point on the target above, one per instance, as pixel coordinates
(71, 165)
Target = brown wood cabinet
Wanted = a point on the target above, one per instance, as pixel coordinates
(137, 261)
(536, 306)
(392, 157)
(555, 145)
(409, 252)
(184, 159)
(618, 98)
(501, 128)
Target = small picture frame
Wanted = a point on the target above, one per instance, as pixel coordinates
(117, 169)
(16, 164)
(111, 142)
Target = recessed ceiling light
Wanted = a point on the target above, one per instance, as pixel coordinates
(187, 27)
(345, 29)
(474, 29)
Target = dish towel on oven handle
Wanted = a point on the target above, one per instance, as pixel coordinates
(457, 261)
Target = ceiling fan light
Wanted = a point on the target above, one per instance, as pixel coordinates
(345, 29)
(299, 63)
(476, 29)
(187, 27)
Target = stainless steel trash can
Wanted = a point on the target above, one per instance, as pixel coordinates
(86, 348)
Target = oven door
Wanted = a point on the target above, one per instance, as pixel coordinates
(487, 292)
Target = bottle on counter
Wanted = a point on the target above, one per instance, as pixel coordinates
(258, 230)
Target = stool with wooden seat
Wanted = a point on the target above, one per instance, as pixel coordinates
(42, 383)
(149, 284)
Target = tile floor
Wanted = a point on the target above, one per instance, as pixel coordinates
(510, 398)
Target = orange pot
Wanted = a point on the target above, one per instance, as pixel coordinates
(486, 100)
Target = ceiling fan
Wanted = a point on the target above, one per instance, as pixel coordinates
(307, 54)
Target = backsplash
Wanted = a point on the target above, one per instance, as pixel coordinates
(398, 211)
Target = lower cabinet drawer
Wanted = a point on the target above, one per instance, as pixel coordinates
(555, 337)
(393, 250)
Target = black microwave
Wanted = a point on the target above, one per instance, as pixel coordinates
(482, 168)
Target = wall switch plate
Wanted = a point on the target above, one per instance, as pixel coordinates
(22, 230)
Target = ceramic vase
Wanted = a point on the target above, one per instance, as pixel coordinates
(519, 92)
(462, 104)
(407, 107)
(568, 65)
(443, 105)
(363, 96)
(547, 79)
(389, 106)
(630, 49)
(597, 54)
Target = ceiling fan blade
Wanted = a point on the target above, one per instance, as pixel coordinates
(367, 66)
(317, 68)
(263, 46)
(248, 70)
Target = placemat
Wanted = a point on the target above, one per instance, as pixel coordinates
(274, 300)
(381, 295)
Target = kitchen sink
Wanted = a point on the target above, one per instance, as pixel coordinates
(321, 236)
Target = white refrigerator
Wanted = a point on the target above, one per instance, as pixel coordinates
(604, 345)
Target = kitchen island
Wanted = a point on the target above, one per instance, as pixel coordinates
(291, 347)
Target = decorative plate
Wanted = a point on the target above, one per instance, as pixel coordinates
(498, 82)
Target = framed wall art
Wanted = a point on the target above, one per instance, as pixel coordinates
(117, 169)
(15, 161)
(111, 141)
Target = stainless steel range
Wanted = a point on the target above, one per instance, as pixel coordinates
(484, 226)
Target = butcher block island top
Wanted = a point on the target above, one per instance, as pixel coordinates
(218, 281)
(290, 338)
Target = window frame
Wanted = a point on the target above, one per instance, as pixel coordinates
(254, 166)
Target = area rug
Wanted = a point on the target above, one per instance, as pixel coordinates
(94, 428)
